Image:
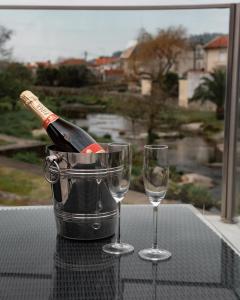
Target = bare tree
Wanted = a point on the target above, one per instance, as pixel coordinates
(156, 55)
(5, 35)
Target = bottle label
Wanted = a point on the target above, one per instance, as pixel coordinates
(93, 148)
(50, 119)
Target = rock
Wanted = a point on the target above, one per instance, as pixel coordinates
(143, 135)
(215, 211)
(218, 137)
(140, 136)
(9, 196)
(197, 179)
(220, 147)
(171, 134)
(39, 132)
(192, 127)
(219, 152)
(215, 165)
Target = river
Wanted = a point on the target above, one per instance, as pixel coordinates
(191, 154)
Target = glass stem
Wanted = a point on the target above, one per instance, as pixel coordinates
(155, 222)
(119, 222)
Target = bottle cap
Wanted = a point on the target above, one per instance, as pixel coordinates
(27, 97)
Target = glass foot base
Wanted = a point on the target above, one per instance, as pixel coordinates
(118, 248)
(154, 254)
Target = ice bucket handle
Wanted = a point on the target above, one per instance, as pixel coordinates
(51, 168)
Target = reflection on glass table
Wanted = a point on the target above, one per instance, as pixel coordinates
(35, 264)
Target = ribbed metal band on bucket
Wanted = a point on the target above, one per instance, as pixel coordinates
(83, 217)
(85, 172)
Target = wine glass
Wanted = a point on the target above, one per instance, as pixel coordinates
(118, 178)
(155, 177)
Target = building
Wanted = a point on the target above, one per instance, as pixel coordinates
(216, 53)
(108, 68)
(190, 59)
(213, 55)
(72, 62)
(113, 75)
(39, 64)
(199, 57)
(126, 61)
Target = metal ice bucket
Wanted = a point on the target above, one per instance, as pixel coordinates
(83, 206)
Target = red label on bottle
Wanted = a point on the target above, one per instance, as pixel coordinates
(93, 148)
(50, 119)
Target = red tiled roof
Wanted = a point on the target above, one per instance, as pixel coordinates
(105, 60)
(44, 64)
(218, 42)
(72, 61)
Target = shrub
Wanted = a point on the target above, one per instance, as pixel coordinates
(174, 174)
(5, 104)
(197, 195)
(136, 184)
(19, 123)
(103, 139)
(190, 193)
(174, 191)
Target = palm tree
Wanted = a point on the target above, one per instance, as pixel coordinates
(212, 88)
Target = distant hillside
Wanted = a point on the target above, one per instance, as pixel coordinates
(203, 38)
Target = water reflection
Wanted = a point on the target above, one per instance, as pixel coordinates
(190, 151)
(107, 124)
(191, 154)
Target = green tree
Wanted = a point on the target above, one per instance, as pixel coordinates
(213, 88)
(13, 80)
(74, 76)
(69, 76)
(18, 71)
(46, 76)
(117, 53)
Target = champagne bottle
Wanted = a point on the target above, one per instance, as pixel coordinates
(65, 135)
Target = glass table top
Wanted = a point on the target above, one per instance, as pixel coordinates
(37, 264)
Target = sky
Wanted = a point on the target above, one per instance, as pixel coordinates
(40, 35)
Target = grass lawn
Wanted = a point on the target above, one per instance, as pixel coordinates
(3, 143)
(176, 116)
(19, 123)
(33, 189)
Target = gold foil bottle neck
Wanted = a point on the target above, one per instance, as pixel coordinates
(27, 97)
